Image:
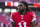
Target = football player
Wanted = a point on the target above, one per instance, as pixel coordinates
(23, 17)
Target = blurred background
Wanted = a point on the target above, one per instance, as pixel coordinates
(9, 6)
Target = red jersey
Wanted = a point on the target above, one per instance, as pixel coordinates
(23, 20)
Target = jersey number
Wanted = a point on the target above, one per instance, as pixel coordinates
(20, 25)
